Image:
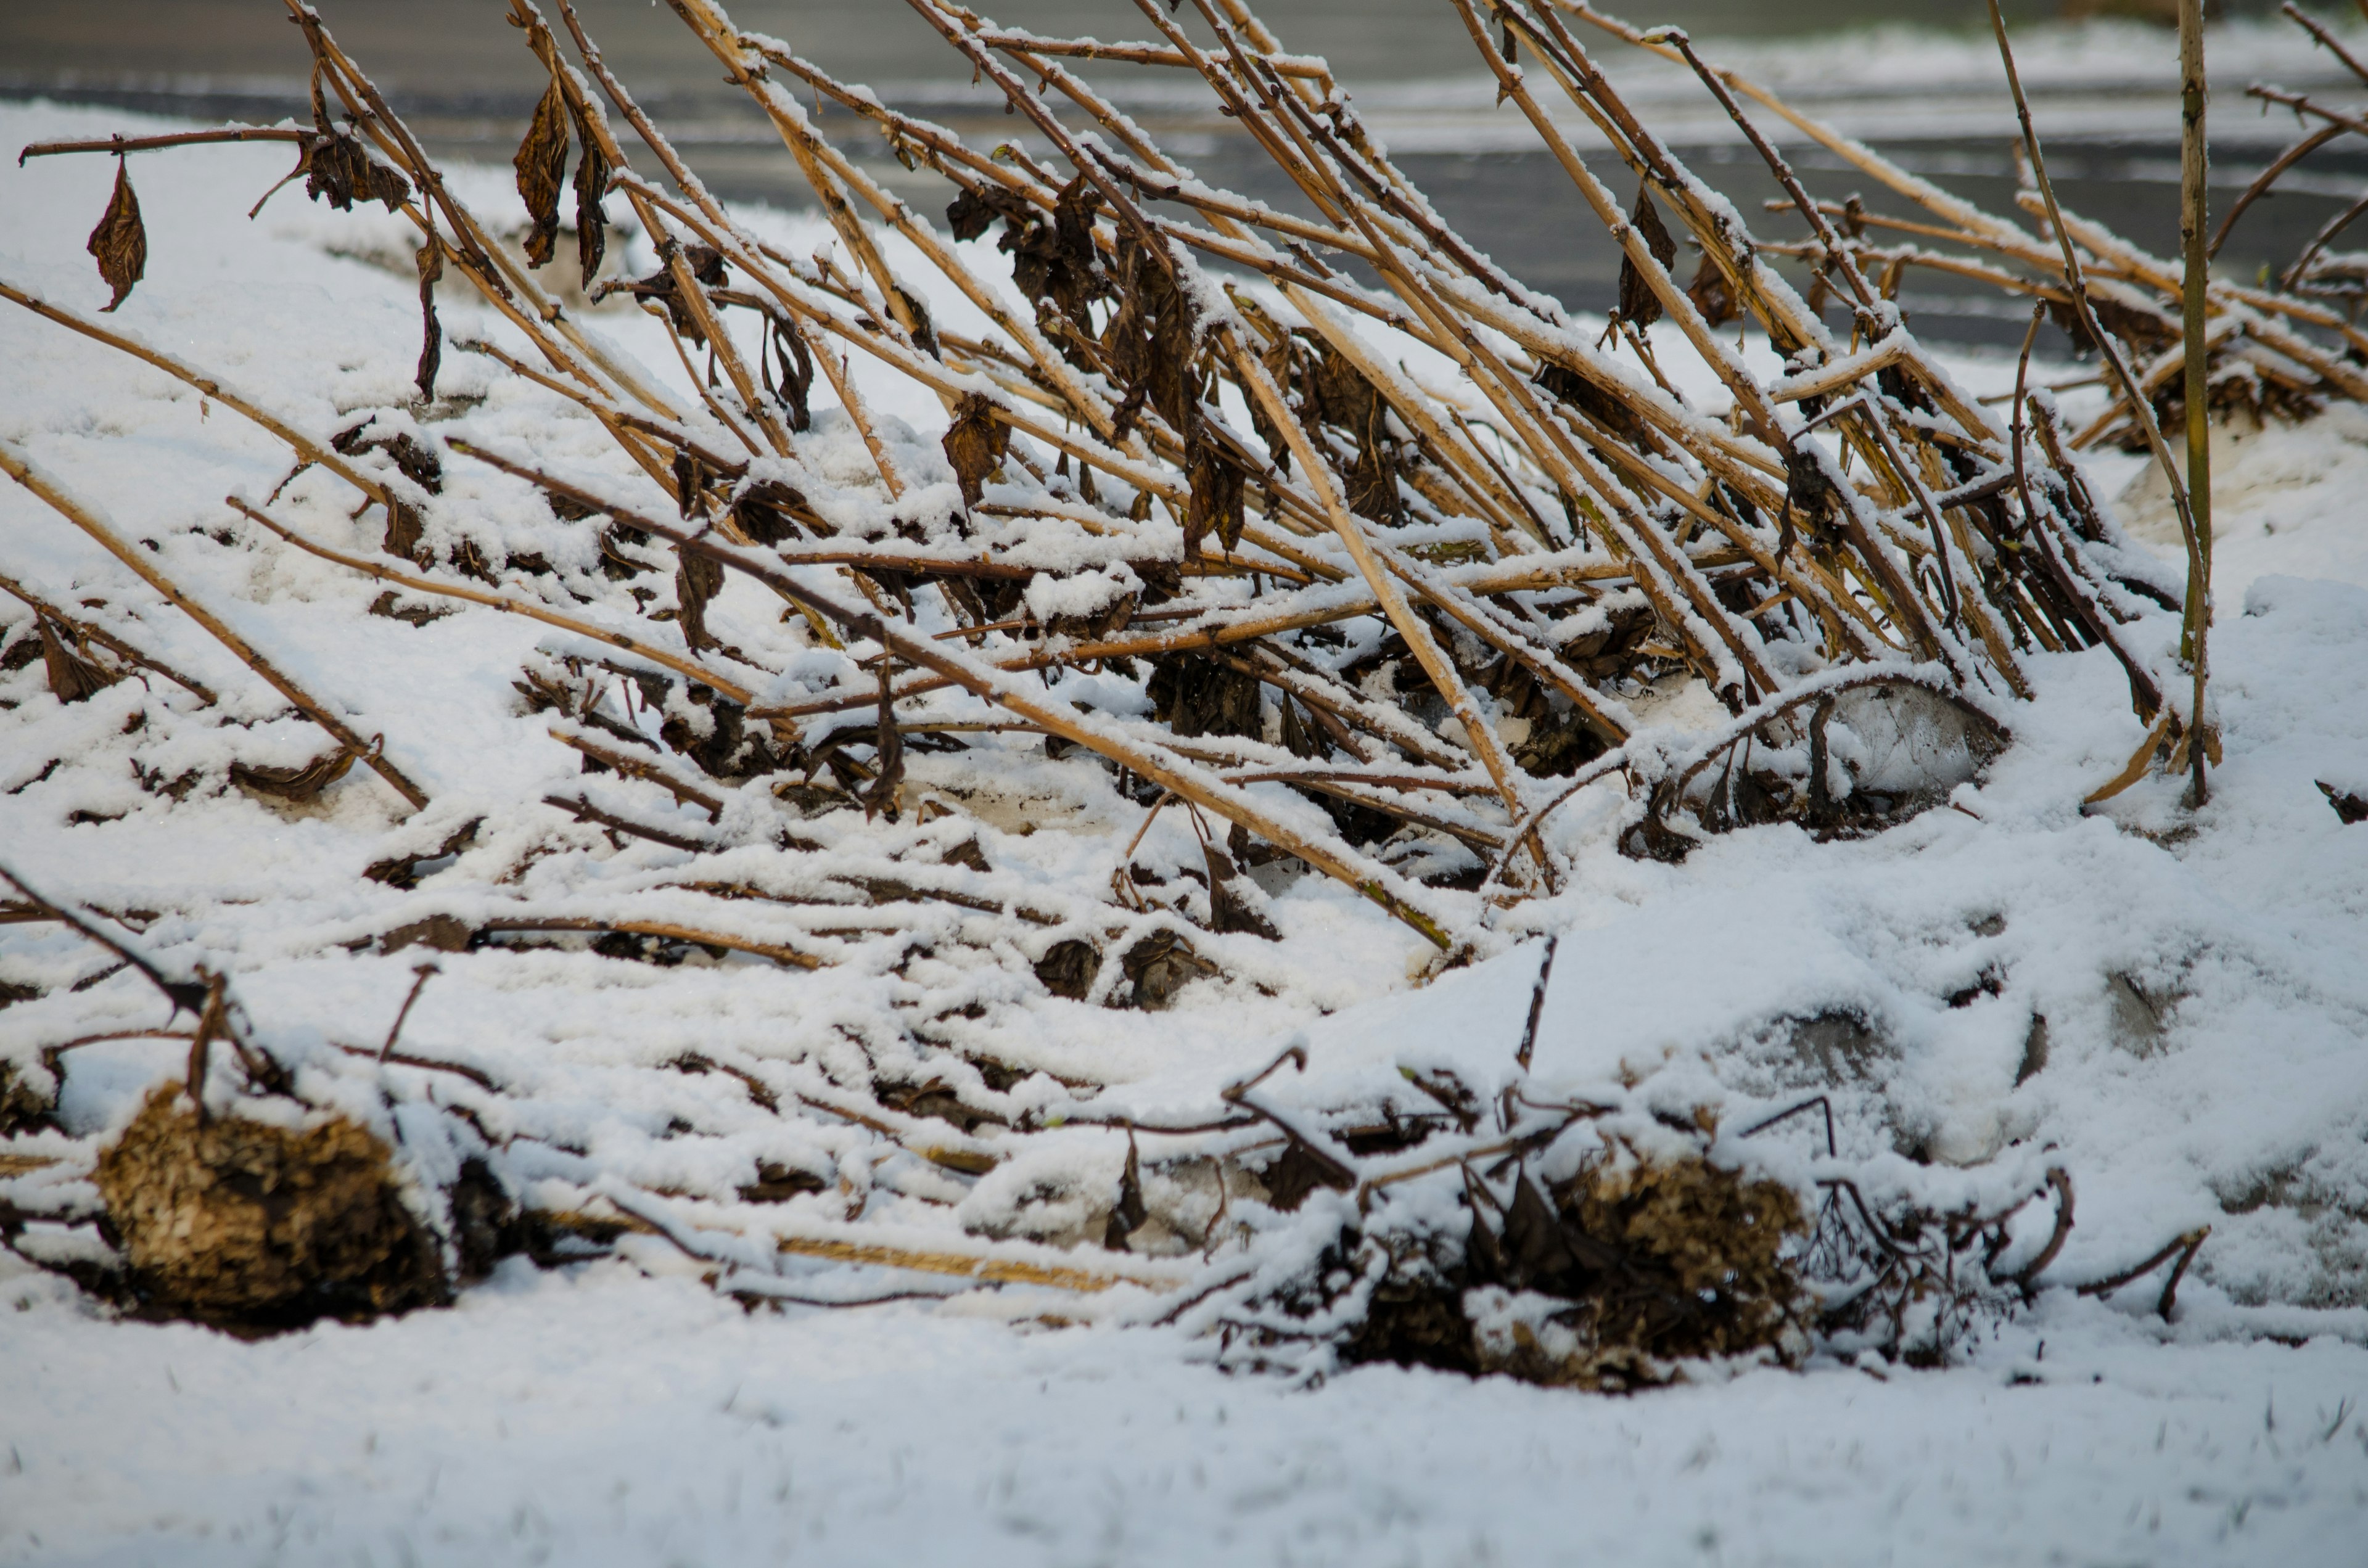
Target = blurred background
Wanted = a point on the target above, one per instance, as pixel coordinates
(1919, 77)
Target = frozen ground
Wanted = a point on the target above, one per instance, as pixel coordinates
(2203, 984)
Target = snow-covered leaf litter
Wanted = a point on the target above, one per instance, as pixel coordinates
(572, 1139)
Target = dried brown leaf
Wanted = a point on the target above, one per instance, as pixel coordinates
(975, 444)
(339, 170)
(696, 581)
(1228, 910)
(592, 173)
(74, 674)
(1216, 503)
(541, 165)
(1638, 306)
(1711, 294)
(298, 784)
(886, 794)
(430, 263)
(119, 243)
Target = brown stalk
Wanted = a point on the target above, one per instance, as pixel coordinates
(382, 573)
(119, 146)
(304, 446)
(2194, 158)
(82, 517)
(1152, 762)
(663, 930)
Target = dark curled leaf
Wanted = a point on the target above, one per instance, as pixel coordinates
(430, 262)
(1130, 1213)
(1216, 483)
(1067, 967)
(1600, 406)
(690, 486)
(1808, 493)
(786, 347)
(418, 462)
(1197, 696)
(1637, 304)
(119, 243)
(591, 220)
(541, 165)
(297, 784)
(339, 170)
(973, 212)
(1711, 294)
(74, 674)
(925, 327)
(1228, 911)
(696, 581)
(975, 444)
(969, 216)
(770, 512)
(2348, 807)
(886, 792)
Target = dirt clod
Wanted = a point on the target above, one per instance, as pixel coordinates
(249, 1226)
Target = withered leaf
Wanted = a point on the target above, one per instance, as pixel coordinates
(119, 243)
(541, 165)
(1638, 306)
(74, 674)
(1067, 967)
(417, 461)
(1711, 294)
(885, 794)
(1194, 695)
(975, 444)
(298, 784)
(786, 345)
(770, 512)
(1611, 412)
(592, 173)
(925, 327)
(1228, 910)
(430, 262)
(696, 581)
(339, 170)
(1130, 1214)
(1808, 493)
(690, 486)
(1216, 503)
(973, 212)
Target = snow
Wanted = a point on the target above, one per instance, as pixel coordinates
(2201, 979)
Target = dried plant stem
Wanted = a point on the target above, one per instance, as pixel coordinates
(379, 572)
(1154, 763)
(87, 520)
(660, 929)
(2193, 211)
(387, 491)
(119, 146)
(2141, 408)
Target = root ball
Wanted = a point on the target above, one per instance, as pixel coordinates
(249, 1226)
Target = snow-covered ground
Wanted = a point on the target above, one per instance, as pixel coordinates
(2203, 983)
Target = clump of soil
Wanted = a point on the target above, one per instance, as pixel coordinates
(252, 1227)
(1633, 1265)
